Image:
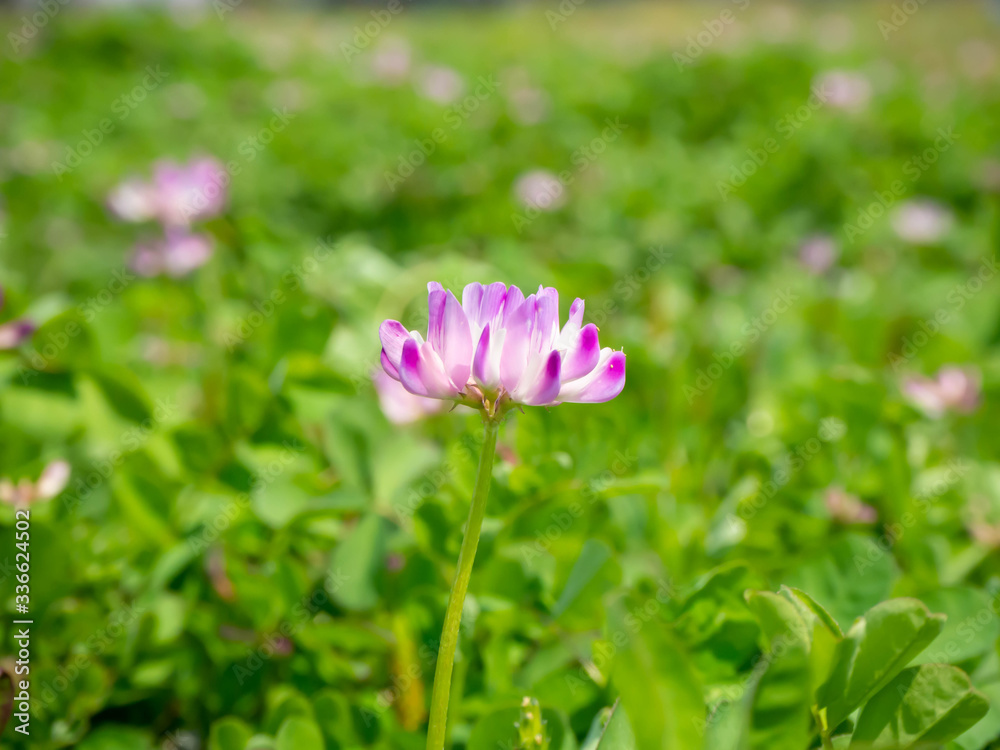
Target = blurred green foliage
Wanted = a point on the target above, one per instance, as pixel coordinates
(248, 555)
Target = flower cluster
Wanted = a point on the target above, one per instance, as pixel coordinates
(953, 389)
(497, 348)
(176, 197)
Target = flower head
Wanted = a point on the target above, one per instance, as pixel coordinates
(176, 254)
(921, 221)
(52, 481)
(177, 196)
(497, 348)
(952, 389)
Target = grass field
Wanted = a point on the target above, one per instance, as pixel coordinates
(785, 215)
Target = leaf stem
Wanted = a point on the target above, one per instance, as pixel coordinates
(438, 723)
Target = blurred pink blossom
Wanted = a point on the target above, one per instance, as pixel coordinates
(440, 84)
(177, 196)
(844, 89)
(398, 404)
(540, 189)
(391, 62)
(952, 389)
(847, 508)
(818, 253)
(176, 254)
(51, 482)
(921, 221)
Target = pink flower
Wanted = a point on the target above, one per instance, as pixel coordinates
(952, 389)
(818, 253)
(398, 404)
(847, 508)
(921, 222)
(391, 62)
(498, 348)
(177, 196)
(540, 189)
(440, 84)
(844, 89)
(177, 254)
(51, 482)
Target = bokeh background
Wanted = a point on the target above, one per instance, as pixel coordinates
(786, 214)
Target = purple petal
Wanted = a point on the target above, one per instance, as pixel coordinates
(575, 320)
(546, 326)
(448, 332)
(603, 383)
(434, 286)
(512, 302)
(494, 297)
(472, 300)
(486, 365)
(545, 387)
(392, 334)
(582, 354)
(422, 373)
(514, 357)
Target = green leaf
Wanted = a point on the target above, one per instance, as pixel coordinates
(357, 561)
(657, 684)
(124, 393)
(851, 576)
(229, 734)
(592, 557)
(972, 627)
(874, 651)
(924, 705)
(779, 618)
(297, 733)
(617, 734)
(781, 699)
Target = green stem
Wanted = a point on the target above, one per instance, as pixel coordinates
(437, 726)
